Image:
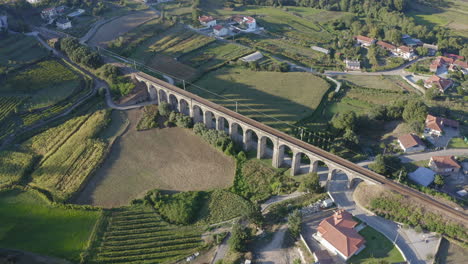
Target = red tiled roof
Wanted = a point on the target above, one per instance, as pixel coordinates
(218, 27)
(339, 231)
(205, 19)
(410, 140)
(364, 38)
(454, 56)
(437, 123)
(445, 162)
(405, 49)
(249, 19)
(48, 9)
(386, 45)
(440, 82)
(461, 64)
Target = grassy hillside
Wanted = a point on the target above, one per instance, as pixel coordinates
(29, 223)
(286, 96)
(17, 50)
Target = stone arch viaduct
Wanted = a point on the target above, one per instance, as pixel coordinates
(283, 149)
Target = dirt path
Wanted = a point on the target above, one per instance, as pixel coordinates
(275, 252)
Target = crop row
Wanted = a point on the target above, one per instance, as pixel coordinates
(157, 250)
(8, 105)
(150, 239)
(139, 225)
(139, 217)
(151, 258)
(156, 244)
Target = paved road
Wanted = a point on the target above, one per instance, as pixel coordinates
(279, 198)
(411, 244)
(223, 248)
(427, 155)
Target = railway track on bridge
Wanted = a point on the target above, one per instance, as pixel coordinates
(402, 189)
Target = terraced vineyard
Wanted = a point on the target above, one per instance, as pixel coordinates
(179, 42)
(139, 235)
(8, 104)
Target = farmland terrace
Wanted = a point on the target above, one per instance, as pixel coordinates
(215, 116)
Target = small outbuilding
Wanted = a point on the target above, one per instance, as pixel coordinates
(327, 203)
(444, 165)
(252, 57)
(411, 143)
(422, 176)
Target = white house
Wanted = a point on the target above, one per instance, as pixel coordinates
(435, 125)
(444, 165)
(49, 13)
(411, 143)
(251, 23)
(63, 23)
(220, 31)
(34, 1)
(353, 65)
(405, 52)
(207, 21)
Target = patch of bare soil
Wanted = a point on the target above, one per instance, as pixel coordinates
(172, 67)
(170, 159)
(120, 26)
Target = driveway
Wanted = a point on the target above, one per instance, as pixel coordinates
(275, 252)
(413, 245)
(442, 141)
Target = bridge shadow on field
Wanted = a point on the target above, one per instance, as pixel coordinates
(263, 104)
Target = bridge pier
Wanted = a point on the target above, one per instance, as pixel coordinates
(296, 163)
(247, 138)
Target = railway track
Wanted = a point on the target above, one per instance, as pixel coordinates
(402, 189)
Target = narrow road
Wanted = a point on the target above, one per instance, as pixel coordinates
(427, 155)
(274, 252)
(279, 198)
(223, 248)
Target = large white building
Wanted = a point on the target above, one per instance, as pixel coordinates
(34, 1)
(63, 23)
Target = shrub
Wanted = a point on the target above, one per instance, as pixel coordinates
(149, 118)
(180, 208)
(294, 223)
(164, 109)
(239, 235)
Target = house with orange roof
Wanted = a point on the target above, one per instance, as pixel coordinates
(444, 165)
(207, 21)
(411, 143)
(440, 83)
(220, 30)
(435, 125)
(364, 41)
(387, 46)
(405, 52)
(337, 233)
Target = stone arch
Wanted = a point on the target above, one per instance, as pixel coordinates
(265, 148)
(285, 156)
(236, 131)
(250, 140)
(222, 124)
(174, 102)
(354, 181)
(303, 164)
(197, 112)
(153, 92)
(184, 107)
(210, 119)
(162, 96)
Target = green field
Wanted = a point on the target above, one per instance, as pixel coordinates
(64, 170)
(139, 235)
(47, 82)
(288, 97)
(452, 16)
(17, 50)
(378, 248)
(29, 223)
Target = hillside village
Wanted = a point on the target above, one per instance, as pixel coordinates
(203, 131)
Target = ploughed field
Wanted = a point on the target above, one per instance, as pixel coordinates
(172, 159)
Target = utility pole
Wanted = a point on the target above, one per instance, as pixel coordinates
(236, 106)
(183, 83)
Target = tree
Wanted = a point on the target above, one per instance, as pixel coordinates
(164, 109)
(346, 120)
(415, 111)
(431, 93)
(294, 223)
(439, 180)
(311, 183)
(239, 235)
(386, 165)
(351, 137)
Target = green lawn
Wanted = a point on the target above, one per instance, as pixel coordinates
(288, 97)
(29, 223)
(457, 143)
(378, 248)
